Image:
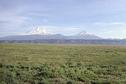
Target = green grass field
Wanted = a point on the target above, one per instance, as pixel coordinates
(62, 64)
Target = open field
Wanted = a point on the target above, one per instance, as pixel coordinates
(62, 64)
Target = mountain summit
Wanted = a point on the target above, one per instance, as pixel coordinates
(39, 31)
(82, 33)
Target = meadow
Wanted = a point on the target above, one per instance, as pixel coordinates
(62, 64)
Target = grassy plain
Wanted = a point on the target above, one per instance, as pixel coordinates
(62, 64)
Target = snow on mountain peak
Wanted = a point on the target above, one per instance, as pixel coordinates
(83, 33)
(40, 31)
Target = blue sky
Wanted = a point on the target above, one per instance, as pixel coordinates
(105, 18)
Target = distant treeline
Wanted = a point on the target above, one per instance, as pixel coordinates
(71, 41)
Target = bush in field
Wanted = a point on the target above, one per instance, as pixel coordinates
(52, 64)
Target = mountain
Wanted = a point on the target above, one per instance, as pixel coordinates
(84, 35)
(41, 33)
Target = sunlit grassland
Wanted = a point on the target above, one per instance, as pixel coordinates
(62, 64)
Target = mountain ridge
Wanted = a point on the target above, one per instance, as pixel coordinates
(42, 33)
(49, 36)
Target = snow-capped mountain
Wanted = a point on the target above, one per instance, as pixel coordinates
(85, 35)
(42, 33)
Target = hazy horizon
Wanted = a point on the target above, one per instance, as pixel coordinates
(104, 18)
